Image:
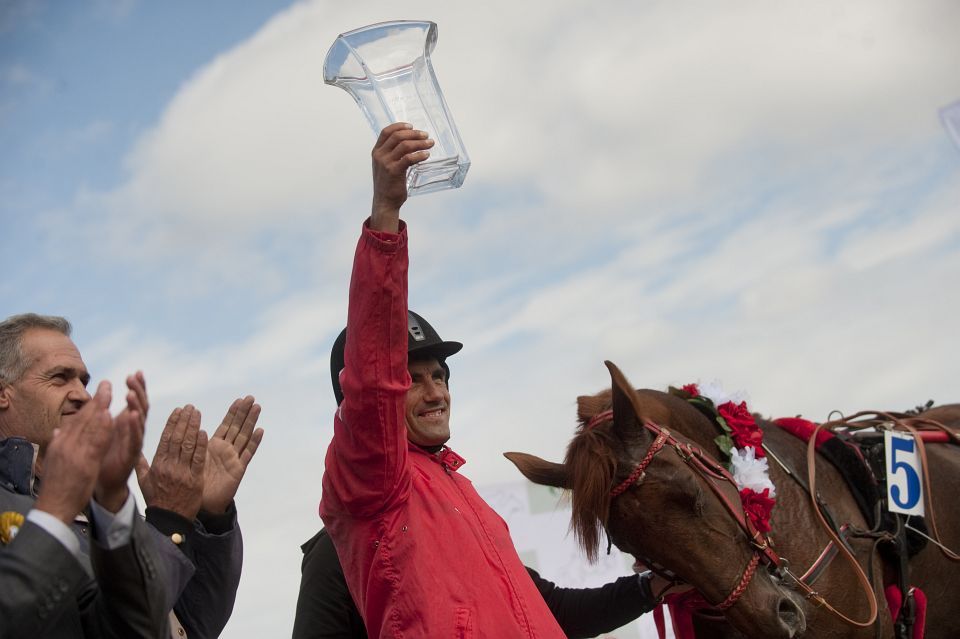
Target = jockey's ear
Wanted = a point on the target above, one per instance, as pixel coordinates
(541, 471)
(626, 406)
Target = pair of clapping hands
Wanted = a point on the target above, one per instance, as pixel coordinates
(192, 471)
(92, 454)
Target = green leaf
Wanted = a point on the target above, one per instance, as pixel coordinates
(723, 424)
(705, 402)
(725, 444)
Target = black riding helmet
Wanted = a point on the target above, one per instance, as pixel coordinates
(422, 341)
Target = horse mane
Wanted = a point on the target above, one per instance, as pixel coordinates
(592, 462)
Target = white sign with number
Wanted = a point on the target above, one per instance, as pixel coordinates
(904, 475)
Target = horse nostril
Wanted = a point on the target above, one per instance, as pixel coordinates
(791, 616)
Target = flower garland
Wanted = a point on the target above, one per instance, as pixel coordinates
(742, 442)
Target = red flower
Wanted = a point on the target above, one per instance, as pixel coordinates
(743, 427)
(692, 389)
(758, 507)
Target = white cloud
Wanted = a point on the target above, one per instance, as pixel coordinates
(757, 193)
(598, 111)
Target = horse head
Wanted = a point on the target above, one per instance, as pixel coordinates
(635, 477)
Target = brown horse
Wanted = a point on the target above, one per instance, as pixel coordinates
(673, 518)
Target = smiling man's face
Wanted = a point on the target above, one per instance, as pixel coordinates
(52, 387)
(428, 404)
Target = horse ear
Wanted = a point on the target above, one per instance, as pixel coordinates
(590, 405)
(540, 471)
(626, 406)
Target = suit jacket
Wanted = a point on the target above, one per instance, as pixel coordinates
(47, 592)
(201, 574)
(204, 568)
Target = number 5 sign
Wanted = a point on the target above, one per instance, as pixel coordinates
(904, 488)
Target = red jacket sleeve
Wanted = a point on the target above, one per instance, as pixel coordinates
(366, 463)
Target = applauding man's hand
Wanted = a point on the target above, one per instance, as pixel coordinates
(111, 491)
(229, 453)
(175, 479)
(74, 458)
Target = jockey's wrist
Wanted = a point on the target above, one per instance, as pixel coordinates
(647, 587)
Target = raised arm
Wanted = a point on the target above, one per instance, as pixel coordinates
(366, 459)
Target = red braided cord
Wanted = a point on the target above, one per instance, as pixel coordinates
(600, 417)
(744, 582)
(638, 471)
(627, 482)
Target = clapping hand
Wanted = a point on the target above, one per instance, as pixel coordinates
(74, 457)
(229, 452)
(175, 479)
(124, 450)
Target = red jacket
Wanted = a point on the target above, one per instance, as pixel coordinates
(423, 554)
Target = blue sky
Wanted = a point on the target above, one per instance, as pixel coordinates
(81, 83)
(761, 194)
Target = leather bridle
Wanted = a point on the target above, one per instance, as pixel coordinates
(714, 475)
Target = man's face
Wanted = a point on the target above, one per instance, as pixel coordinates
(428, 404)
(51, 389)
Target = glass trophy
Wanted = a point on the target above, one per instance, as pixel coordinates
(386, 68)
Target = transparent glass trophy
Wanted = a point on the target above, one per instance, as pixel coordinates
(386, 68)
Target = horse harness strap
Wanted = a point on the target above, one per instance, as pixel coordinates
(917, 426)
(639, 473)
(712, 472)
(838, 544)
(824, 559)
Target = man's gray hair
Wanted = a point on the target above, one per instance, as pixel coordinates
(12, 362)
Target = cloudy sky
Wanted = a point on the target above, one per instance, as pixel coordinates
(758, 193)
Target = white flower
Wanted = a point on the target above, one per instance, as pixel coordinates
(750, 472)
(715, 393)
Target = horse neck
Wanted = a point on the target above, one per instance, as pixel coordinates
(701, 430)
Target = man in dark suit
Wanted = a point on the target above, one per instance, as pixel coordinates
(50, 585)
(189, 488)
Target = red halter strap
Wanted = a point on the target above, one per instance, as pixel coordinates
(713, 472)
(599, 418)
(638, 473)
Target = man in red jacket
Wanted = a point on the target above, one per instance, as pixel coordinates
(422, 553)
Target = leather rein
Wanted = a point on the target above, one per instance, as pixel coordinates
(715, 475)
(868, 419)
(916, 426)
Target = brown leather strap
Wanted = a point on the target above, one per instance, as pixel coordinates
(928, 487)
(861, 577)
(712, 472)
(916, 426)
